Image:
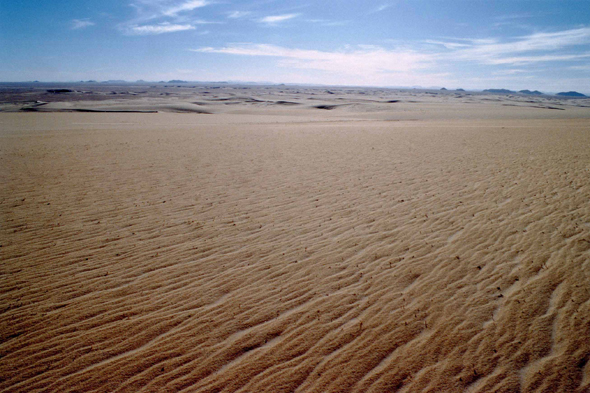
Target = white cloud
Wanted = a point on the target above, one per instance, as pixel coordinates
(448, 45)
(422, 64)
(327, 23)
(157, 29)
(81, 24)
(495, 52)
(163, 16)
(206, 22)
(510, 72)
(520, 60)
(184, 6)
(381, 8)
(238, 14)
(273, 19)
(543, 41)
(519, 16)
(365, 63)
(171, 10)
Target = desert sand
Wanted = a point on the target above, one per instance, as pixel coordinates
(293, 239)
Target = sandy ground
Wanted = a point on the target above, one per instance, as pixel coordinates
(435, 245)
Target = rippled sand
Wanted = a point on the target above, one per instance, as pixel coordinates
(301, 251)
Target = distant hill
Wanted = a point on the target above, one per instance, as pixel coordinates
(570, 94)
(460, 90)
(499, 91)
(531, 93)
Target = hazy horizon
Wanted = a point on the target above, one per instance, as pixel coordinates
(472, 45)
(116, 82)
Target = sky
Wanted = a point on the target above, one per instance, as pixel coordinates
(470, 44)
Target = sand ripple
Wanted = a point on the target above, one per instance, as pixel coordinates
(364, 257)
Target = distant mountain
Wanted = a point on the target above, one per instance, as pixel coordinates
(570, 94)
(499, 91)
(531, 93)
(177, 81)
(460, 90)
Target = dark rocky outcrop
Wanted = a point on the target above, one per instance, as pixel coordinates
(59, 91)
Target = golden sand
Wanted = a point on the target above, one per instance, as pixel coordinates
(296, 250)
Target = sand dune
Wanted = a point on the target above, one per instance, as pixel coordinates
(260, 99)
(432, 246)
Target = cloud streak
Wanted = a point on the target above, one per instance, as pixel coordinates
(238, 14)
(274, 19)
(537, 47)
(534, 48)
(185, 6)
(157, 29)
(163, 16)
(420, 62)
(78, 24)
(370, 62)
(369, 65)
(381, 8)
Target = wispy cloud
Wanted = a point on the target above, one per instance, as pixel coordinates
(448, 45)
(513, 25)
(533, 48)
(274, 19)
(522, 15)
(184, 6)
(514, 16)
(408, 63)
(541, 42)
(328, 23)
(510, 72)
(77, 24)
(238, 14)
(368, 65)
(521, 60)
(368, 59)
(163, 16)
(167, 10)
(380, 8)
(206, 22)
(157, 29)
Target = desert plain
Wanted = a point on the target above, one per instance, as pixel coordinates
(226, 238)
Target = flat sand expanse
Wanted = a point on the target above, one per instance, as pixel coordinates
(440, 247)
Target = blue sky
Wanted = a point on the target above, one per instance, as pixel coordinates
(471, 44)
